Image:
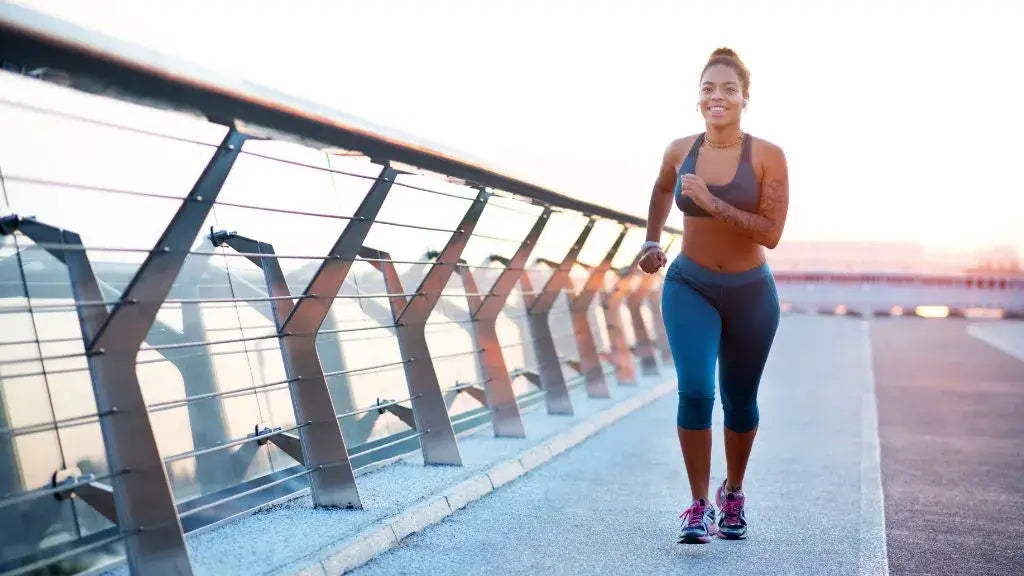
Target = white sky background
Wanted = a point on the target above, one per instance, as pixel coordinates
(902, 120)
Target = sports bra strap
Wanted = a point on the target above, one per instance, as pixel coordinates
(745, 156)
(695, 149)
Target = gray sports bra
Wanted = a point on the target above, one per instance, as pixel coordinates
(743, 191)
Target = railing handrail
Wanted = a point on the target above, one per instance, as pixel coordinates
(97, 63)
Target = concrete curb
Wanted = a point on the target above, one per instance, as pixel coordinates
(388, 532)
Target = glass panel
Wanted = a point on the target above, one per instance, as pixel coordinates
(28, 456)
(42, 521)
(194, 351)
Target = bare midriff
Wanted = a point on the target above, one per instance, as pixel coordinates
(717, 246)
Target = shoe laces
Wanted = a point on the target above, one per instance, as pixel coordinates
(694, 515)
(732, 507)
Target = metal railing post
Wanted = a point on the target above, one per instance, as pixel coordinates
(660, 336)
(323, 447)
(625, 372)
(437, 436)
(499, 395)
(645, 348)
(146, 512)
(538, 311)
(590, 361)
(654, 301)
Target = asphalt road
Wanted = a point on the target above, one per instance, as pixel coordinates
(951, 425)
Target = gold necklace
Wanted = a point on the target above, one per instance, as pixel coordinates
(729, 145)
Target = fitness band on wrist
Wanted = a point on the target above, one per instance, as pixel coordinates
(646, 246)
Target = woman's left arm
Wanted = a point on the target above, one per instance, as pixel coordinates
(765, 227)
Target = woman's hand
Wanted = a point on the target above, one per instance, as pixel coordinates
(694, 187)
(653, 260)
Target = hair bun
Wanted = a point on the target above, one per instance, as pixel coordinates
(729, 52)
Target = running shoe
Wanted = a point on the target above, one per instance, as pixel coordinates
(732, 523)
(698, 523)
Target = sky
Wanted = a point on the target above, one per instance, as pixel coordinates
(900, 120)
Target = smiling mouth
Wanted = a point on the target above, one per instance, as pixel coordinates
(716, 109)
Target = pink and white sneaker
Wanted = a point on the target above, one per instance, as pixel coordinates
(732, 523)
(698, 523)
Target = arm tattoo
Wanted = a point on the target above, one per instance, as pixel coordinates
(765, 227)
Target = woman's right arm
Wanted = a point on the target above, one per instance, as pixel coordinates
(661, 206)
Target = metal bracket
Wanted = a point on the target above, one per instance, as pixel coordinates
(404, 413)
(477, 394)
(9, 224)
(98, 495)
(530, 376)
(574, 364)
(289, 443)
(277, 286)
(218, 238)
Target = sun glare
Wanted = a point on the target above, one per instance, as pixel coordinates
(932, 311)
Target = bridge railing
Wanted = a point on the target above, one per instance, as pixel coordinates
(215, 297)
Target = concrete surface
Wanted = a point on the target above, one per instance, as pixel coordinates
(611, 504)
(403, 497)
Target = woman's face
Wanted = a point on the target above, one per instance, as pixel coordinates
(721, 96)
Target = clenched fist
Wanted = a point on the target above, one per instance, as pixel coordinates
(653, 260)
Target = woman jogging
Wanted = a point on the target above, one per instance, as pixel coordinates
(719, 298)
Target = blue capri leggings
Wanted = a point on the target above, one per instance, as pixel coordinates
(714, 316)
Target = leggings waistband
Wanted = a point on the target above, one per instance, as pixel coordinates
(685, 267)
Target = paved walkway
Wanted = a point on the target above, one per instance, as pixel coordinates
(611, 505)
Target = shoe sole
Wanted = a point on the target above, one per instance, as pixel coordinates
(732, 535)
(700, 539)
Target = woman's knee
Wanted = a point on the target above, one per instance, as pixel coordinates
(742, 418)
(694, 412)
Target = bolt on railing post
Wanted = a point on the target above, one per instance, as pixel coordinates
(538, 312)
(645, 348)
(323, 445)
(499, 395)
(590, 361)
(612, 301)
